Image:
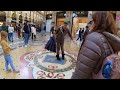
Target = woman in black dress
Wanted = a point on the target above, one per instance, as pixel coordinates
(51, 44)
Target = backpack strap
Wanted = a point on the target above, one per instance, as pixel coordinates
(108, 44)
(103, 55)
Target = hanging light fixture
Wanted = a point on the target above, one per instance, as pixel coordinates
(74, 15)
(65, 14)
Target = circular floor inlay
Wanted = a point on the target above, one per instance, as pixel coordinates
(47, 61)
(46, 66)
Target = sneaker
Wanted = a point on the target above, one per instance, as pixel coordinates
(9, 70)
(16, 71)
(25, 45)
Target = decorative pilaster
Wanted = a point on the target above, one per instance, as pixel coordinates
(69, 15)
(54, 17)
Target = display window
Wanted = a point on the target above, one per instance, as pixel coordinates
(60, 21)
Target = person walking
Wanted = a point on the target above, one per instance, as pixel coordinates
(27, 30)
(33, 31)
(80, 35)
(87, 31)
(10, 32)
(19, 30)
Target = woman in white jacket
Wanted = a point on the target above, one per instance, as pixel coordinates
(10, 32)
(33, 30)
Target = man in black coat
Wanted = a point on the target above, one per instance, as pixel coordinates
(27, 30)
(87, 31)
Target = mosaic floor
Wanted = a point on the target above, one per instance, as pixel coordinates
(34, 62)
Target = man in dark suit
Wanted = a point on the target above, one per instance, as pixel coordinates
(87, 31)
(80, 34)
(60, 34)
(27, 30)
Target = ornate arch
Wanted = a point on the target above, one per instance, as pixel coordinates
(20, 19)
(14, 16)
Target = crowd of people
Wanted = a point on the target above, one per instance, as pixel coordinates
(23, 31)
(7, 35)
(99, 40)
(83, 33)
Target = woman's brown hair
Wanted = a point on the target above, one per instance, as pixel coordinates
(104, 21)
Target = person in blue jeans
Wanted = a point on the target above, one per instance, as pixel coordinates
(27, 30)
(6, 49)
(10, 33)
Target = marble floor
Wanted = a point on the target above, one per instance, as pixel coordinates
(34, 62)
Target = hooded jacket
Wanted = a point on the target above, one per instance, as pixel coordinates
(89, 56)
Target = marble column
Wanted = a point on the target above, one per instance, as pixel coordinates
(44, 17)
(8, 17)
(54, 17)
(90, 16)
(17, 16)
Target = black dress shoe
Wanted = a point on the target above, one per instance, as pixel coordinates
(63, 56)
(57, 56)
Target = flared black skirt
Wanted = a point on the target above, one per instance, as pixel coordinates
(51, 44)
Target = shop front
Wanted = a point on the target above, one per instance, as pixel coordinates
(80, 20)
(60, 18)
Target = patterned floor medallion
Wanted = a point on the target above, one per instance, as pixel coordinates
(46, 66)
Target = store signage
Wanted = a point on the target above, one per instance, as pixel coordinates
(61, 14)
(81, 13)
(49, 16)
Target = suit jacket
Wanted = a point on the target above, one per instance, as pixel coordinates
(60, 36)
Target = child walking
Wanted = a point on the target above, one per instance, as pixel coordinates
(6, 49)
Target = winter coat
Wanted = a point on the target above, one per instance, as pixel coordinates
(60, 35)
(27, 29)
(91, 51)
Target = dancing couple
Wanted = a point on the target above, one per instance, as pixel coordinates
(56, 42)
